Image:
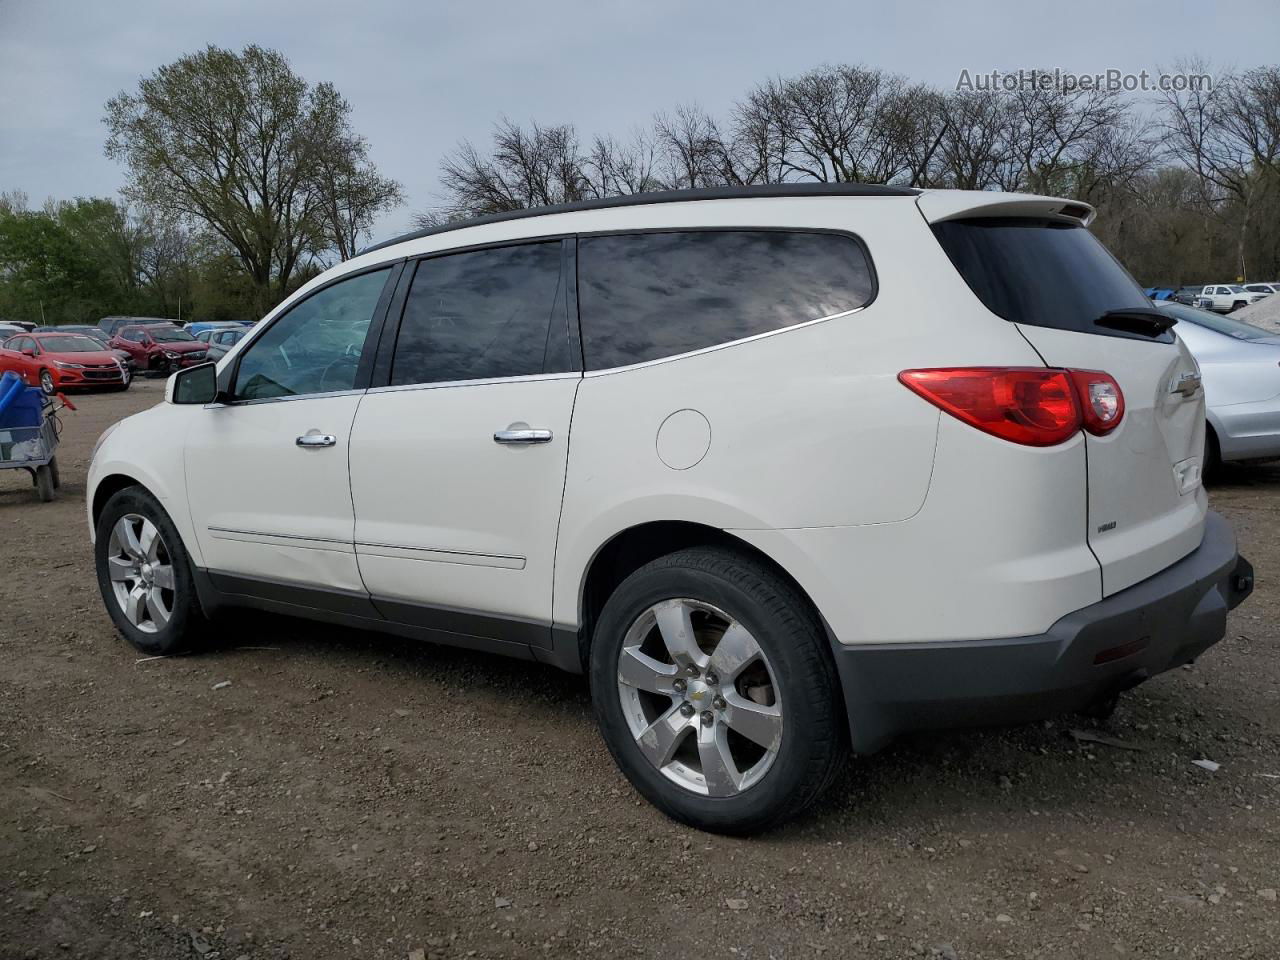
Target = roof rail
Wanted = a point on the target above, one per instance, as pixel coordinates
(666, 196)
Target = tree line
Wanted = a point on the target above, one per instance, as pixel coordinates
(1186, 185)
(243, 180)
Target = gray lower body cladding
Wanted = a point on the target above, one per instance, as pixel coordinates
(1090, 654)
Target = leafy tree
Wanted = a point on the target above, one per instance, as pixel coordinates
(239, 143)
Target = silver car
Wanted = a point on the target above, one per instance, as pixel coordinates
(1240, 366)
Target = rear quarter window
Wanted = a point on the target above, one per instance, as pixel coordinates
(1040, 272)
(646, 296)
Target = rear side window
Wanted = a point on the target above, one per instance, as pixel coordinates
(1040, 272)
(483, 314)
(651, 295)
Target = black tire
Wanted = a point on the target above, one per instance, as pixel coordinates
(187, 625)
(55, 473)
(1211, 461)
(44, 484)
(47, 386)
(788, 631)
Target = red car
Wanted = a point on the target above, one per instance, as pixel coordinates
(58, 361)
(159, 347)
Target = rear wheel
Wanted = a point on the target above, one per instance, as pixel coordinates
(715, 691)
(45, 486)
(55, 473)
(144, 574)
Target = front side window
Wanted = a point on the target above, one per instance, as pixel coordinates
(651, 295)
(483, 314)
(135, 336)
(315, 347)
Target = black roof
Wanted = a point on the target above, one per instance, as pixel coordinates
(667, 196)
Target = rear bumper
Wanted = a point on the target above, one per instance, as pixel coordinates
(1095, 652)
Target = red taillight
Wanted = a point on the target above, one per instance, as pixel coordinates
(1101, 400)
(1035, 406)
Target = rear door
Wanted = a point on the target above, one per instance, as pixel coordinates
(1054, 280)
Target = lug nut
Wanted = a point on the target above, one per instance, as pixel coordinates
(693, 670)
(687, 709)
(707, 718)
(712, 679)
(719, 703)
(679, 686)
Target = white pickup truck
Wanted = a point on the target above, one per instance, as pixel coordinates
(1224, 297)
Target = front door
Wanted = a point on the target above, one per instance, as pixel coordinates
(458, 463)
(267, 473)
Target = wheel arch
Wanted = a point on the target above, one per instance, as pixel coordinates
(631, 548)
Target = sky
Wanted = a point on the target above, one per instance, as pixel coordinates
(422, 75)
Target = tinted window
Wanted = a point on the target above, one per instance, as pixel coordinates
(315, 347)
(486, 313)
(653, 295)
(137, 336)
(1039, 272)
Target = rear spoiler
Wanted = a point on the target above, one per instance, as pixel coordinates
(938, 205)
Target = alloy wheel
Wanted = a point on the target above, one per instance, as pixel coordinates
(140, 568)
(700, 697)
(46, 382)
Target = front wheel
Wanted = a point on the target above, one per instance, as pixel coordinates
(47, 386)
(715, 691)
(144, 574)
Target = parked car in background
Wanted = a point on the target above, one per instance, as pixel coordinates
(1240, 367)
(111, 325)
(1225, 297)
(195, 329)
(1189, 294)
(93, 333)
(1266, 289)
(60, 361)
(222, 339)
(1160, 293)
(159, 348)
(721, 450)
(10, 330)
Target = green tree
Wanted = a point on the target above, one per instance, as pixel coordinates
(239, 143)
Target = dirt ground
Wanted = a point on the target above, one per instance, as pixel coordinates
(351, 795)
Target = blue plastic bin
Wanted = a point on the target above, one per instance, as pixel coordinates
(20, 405)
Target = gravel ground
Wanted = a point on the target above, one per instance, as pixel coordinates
(350, 795)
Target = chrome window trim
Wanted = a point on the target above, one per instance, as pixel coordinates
(483, 382)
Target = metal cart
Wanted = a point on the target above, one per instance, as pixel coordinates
(33, 449)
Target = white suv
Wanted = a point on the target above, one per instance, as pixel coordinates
(786, 470)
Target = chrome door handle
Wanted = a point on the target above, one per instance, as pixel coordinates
(317, 440)
(522, 436)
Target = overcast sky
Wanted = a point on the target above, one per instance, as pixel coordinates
(423, 74)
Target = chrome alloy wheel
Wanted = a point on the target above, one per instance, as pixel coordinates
(141, 572)
(700, 697)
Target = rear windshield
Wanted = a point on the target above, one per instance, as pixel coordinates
(1040, 272)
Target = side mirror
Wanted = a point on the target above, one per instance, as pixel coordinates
(28, 352)
(193, 385)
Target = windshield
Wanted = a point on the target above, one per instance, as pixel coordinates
(1219, 324)
(1039, 272)
(70, 343)
(173, 335)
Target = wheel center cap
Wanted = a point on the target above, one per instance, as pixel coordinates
(145, 571)
(699, 693)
